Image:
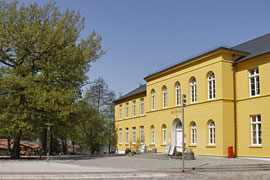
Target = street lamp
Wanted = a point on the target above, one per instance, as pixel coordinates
(184, 101)
(48, 141)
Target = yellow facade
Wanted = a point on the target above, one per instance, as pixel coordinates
(231, 116)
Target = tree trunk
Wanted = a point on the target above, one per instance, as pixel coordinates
(44, 141)
(16, 145)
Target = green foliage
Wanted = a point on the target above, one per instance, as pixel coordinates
(43, 66)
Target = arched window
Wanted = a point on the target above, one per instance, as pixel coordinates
(153, 135)
(165, 97)
(164, 134)
(178, 94)
(211, 127)
(211, 86)
(193, 133)
(153, 99)
(193, 90)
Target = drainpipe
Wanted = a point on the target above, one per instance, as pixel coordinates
(234, 108)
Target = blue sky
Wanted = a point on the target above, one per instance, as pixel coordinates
(143, 36)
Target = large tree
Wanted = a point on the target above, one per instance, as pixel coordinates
(43, 66)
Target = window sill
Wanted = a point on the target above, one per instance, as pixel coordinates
(120, 144)
(210, 146)
(255, 146)
(192, 145)
(163, 145)
(152, 144)
(254, 96)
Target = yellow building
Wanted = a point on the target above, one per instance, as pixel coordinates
(228, 104)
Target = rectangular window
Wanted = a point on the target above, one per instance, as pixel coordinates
(153, 100)
(254, 82)
(127, 110)
(121, 111)
(134, 135)
(142, 134)
(120, 136)
(126, 135)
(142, 106)
(134, 108)
(256, 130)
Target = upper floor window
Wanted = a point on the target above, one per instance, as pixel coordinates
(142, 106)
(134, 135)
(254, 82)
(211, 86)
(165, 97)
(178, 94)
(212, 136)
(134, 108)
(121, 111)
(193, 133)
(127, 109)
(164, 134)
(256, 130)
(153, 99)
(142, 134)
(193, 90)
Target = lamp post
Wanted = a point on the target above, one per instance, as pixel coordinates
(184, 101)
(48, 141)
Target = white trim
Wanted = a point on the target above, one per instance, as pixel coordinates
(193, 91)
(142, 106)
(193, 133)
(258, 128)
(211, 86)
(153, 99)
(134, 135)
(134, 108)
(254, 75)
(153, 134)
(212, 133)
(178, 94)
(165, 97)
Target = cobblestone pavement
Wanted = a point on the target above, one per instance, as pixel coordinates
(124, 167)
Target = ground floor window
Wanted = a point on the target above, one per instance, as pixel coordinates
(256, 130)
(153, 135)
(126, 135)
(120, 136)
(142, 134)
(212, 136)
(134, 136)
(164, 134)
(193, 133)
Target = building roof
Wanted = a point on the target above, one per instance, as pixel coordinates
(138, 90)
(254, 47)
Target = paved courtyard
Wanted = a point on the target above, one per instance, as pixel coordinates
(137, 167)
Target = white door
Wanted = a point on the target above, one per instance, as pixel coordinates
(178, 138)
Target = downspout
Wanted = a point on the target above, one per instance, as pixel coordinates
(234, 108)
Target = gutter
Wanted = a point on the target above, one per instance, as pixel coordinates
(234, 108)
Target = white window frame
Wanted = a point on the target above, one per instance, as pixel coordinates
(212, 133)
(193, 91)
(142, 106)
(256, 126)
(142, 134)
(193, 133)
(211, 86)
(153, 100)
(134, 108)
(165, 96)
(134, 135)
(121, 111)
(153, 134)
(127, 110)
(178, 94)
(120, 136)
(164, 130)
(254, 75)
(127, 136)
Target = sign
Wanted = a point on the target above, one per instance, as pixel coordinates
(167, 149)
(143, 148)
(176, 111)
(171, 152)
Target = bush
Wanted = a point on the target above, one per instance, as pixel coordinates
(178, 154)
